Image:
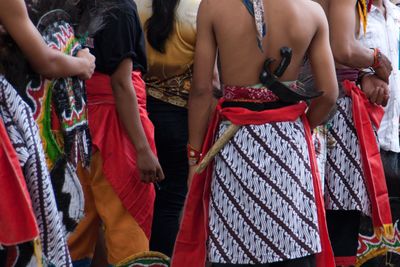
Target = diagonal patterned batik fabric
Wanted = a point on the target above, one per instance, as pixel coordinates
(24, 135)
(262, 207)
(345, 187)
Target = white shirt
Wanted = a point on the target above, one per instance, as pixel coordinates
(384, 34)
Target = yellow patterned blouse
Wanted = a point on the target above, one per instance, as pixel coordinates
(169, 76)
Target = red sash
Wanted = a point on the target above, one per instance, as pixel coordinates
(366, 115)
(117, 151)
(190, 247)
(17, 221)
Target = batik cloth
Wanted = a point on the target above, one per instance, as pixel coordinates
(260, 201)
(355, 178)
(24, 135)
(256, 9)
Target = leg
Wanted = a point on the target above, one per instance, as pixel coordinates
(343, 228)
(83, 240)
(123, 236)
(171, 135)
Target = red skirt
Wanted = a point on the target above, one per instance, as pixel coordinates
(117, 151)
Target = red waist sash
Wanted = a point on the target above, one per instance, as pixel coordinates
(190, 247)
(17, 221)
(117, 151)
(366, 115)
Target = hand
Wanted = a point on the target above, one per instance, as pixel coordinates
(89, 65)
(375, 89)
(384, 70)
(149, 168)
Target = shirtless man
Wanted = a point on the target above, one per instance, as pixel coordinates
(260, 196)
(355, 182)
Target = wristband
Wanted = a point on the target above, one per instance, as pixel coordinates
(377, 59)
(193, 155)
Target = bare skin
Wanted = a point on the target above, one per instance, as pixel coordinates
(344, 26)
(228, 26)
(128, 111)
(44, 60)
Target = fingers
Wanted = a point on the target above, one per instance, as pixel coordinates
(160, 174)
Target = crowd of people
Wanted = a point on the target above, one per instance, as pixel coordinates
(191, 133)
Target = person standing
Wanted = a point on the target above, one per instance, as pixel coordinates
(170, 27)
(118, 188)
(383, 32)
(259, 203)
(354, 177)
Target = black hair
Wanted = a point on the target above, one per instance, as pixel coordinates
(160, 25)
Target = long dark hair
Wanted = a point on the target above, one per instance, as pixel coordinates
(161, 23)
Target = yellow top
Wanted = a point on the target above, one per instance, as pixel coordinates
(178, 59)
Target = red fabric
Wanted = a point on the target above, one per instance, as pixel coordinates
(17, 221)
(326, 258)
(249, 93)
(118, 153)
(346, 261)
(190, 247)
(365, 115)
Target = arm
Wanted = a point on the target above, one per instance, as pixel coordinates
(323, 67)
(128, 112)
(44, 60)
(201, 97)
(347, 50)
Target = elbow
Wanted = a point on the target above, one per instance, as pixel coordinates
(343, 54)
(331, 98)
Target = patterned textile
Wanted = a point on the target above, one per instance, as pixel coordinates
(24, 135)
(59, 108)
(146, 259)
(262, 206)
(345, 187)
(256, 9)
(321, 143)
(240, 93)
(371, 246)
(174, 90)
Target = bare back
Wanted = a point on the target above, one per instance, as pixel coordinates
(289, 23)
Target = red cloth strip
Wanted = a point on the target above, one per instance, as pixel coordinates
(17, 221)
(366, 115)
(190, 247)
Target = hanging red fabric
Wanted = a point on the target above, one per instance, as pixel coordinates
(17, 221)
(366, 115)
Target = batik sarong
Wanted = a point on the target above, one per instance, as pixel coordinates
(262, 207)
(24, 136)
(258, 201)
(345, 185)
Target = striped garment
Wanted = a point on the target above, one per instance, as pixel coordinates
(262, 207)
(345, 187)
(24, 136)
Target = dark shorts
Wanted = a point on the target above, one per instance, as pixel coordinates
(343, 228)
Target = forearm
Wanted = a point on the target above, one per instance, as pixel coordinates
(353, 54)
(55, 64)
(320, 109)
(199, 114)
(128, 113)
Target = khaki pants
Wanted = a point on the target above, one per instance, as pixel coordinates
(123, 236)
